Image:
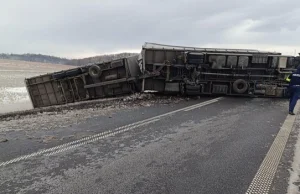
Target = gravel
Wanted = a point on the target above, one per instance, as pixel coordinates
(3, 140)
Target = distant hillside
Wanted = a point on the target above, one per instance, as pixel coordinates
(57, 60)
(101, 58)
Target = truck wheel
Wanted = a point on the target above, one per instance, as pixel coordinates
(95, 71)
(240, 86)
(73, 72)
(59, 75)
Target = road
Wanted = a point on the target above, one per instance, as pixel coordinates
(208, 145)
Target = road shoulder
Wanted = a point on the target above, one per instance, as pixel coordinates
(282, 182)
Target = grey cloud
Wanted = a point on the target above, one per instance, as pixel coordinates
(66, 27)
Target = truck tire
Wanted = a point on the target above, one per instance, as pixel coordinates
(59, 75)
(95, 71)
(240, 86)
(73, 72)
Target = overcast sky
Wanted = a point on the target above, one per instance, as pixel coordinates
(80, 28)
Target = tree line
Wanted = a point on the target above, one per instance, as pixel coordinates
(58, 60)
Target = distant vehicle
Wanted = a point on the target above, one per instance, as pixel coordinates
(169, 69)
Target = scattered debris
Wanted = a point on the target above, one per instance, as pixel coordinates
(67, 137)
(3, 140)
(62, 118)
(138, 96)
(122, 145)
(49, 138)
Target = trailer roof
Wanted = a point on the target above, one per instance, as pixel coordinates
(149, 45)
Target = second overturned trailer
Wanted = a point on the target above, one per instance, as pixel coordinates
(199, 71)
(168, 69)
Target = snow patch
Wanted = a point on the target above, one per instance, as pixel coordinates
(19, 90)
(14, 99)
(13, 94)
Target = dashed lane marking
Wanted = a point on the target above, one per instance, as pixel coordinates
(102, 135)
(200, 105)
(264, 177)
(65, 148)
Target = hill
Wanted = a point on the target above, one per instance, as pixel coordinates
(101, 58)
(58, 60)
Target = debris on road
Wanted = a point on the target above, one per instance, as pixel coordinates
(2, 140)
(67, 137)
(138, 96)
(49, 138)
(64, 117)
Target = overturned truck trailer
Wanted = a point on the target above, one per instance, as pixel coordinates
(168, 69)
(202, 71)
(105, 79)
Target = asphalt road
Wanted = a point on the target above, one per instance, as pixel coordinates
(213, 147)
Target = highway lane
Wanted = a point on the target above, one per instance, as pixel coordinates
(23, 145)
(214, 146)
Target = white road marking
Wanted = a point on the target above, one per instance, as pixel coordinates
(61, 149)
(102, 135)
(201, 105)
(264, 177)
(183, 109)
